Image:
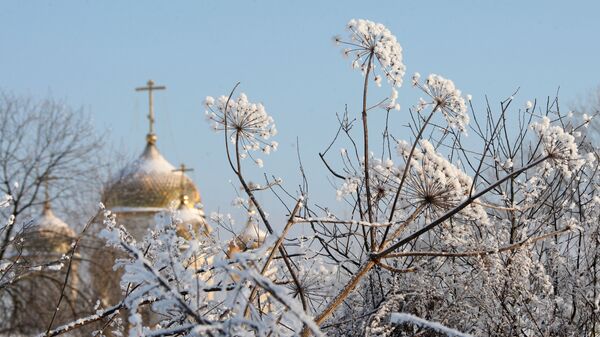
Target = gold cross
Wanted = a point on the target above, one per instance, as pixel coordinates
(182, 168)
(151, 87)
(46, 178)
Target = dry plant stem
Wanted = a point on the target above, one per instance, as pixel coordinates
(404, 174)
(375, 257)
(90, 319)
(263, 216)
(517, 245)
(225, 127)
(346, 222)
(455, 210)
(366, 146)
(279, 241)
(275, 248)
(403, 225)
(349, 287)
(69, 268)
(364, 269)
(248, 191)
(238, 171)
(396, 270)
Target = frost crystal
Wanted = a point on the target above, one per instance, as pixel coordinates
(5, 201)
(560, 146)
(586, 120)
(446, 98)
(528, 105)
(437, 184)
(370, 41)
(249, 123)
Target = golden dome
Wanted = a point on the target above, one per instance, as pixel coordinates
(50, 222)
(187, 215)
(149, 182)
(49, 233)
(251, 237)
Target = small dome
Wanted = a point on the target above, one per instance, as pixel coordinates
(148, 182)
(251, 237)
(49, 233)
(189, 215)
(50, 222)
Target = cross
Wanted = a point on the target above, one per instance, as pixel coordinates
(151, 87)
(46, 178)
(182, 168)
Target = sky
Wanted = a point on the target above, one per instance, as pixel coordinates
(92, 54)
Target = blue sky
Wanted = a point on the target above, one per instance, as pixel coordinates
(94, 53)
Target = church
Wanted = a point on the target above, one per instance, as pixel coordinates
(145, 188)
(151, 185)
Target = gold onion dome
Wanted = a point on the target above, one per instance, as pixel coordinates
(49, 233)
(188, 215)
(51, 223)
(251, 236)
(149, 182)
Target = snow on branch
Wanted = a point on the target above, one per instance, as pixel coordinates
(400, 318)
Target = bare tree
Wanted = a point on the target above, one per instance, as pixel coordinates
(42, 138)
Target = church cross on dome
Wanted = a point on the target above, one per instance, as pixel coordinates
(46, 179)
(182, 168)
(150, 87)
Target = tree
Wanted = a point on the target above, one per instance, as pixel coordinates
(42, 139)
(497, 235)
(49, 153)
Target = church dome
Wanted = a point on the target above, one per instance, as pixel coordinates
(49, 234)
(251, 236)
(187, 215)
(51, 223)
(150, 182)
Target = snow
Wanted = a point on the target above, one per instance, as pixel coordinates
(137, 209)
(371, 41)
(50, 222)
(400, 318)
(445, 98)
(151, 161)
(247, 122)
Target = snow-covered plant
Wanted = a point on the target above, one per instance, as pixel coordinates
(175, 286)
(495, 236)
(247, 123)
(436, 185)
(370, 41)
(559, 146)
(446, 98)
(451, 218)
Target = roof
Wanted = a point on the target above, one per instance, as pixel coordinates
(148, 182)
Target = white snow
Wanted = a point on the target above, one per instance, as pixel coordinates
(399, 318)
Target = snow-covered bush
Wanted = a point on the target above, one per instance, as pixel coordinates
(497, 235)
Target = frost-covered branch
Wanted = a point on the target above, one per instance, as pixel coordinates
(404, 318)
